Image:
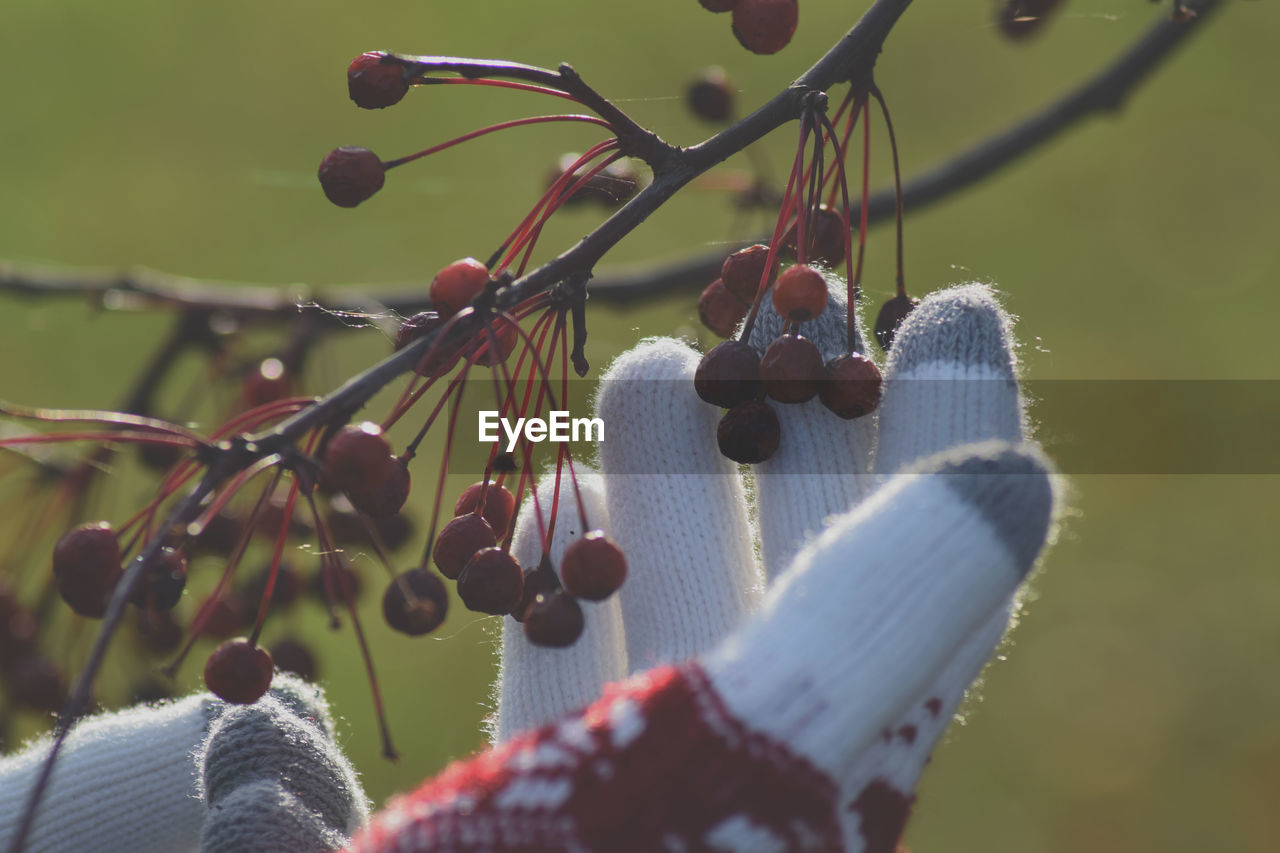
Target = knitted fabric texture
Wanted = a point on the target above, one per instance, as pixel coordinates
(745, 749)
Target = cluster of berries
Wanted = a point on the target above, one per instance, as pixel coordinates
(734, 376)
(761, 26)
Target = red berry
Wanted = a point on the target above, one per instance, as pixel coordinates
(350, 174)
(456, 285)
(491, 582)
(742, 271)
(749, 432)
(540, 580)
(17, 629)
(374, 81)
(459, 541)
(800, 294)
(384, 497)
(440, 357)
(891, 315)
(338, 576)
(287, 588)
(238, 672)
(499, 505)
(719, 310)
(728, 375)
(718, 5)
(791, 369)
(267, 382)
(225, 617)
(593, 567)
(291, 655)
(824, 235)
(416, 602)
(765, 26)
(553, 620)
(507, 336)
(851, 386)
(356, 456)
(710, 97)
(162, 582)
(86, 566)
(35, 682)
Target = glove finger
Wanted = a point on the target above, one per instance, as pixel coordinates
(123, 782)
(676, 507)
(270, 743)
(823, 463)
(950, 379)
(872, 611)
(536, 685)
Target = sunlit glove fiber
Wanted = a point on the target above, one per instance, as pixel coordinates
(807, 726)
(131, 780)
(273, 780)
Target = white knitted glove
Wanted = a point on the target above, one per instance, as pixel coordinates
(196, 774)
(804, 726)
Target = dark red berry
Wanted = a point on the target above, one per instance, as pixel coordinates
(499, 505)
(159, 632)
(742, 271)
(440, 357)
(459, 541)
(162, 582)
(851, 386)
(719, 310)
(288, 585)
(291, 655)
(456, 285)
(348, 528)
(791, 369)
(86, 566)
(710, 97)
(386, 496)
(824, 235)
(1021, 18)
(728, 375)
(537, 581)
(749, 432)
(507, 336)
(553, 620)
(800, 294)
(350, 174)
(238, 672)
(17, 629)
(338, 577)
(416, 602)
(765, 26)
(491, 582)
(226, 615)
(593, 567)
(356, 456)
(219, 536)
(718, 5)
(35, 682)
(891, 315)
(375, 81)
(267, 382)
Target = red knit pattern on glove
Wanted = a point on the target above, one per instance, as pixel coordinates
(657, 763)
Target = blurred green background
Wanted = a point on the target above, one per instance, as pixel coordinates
(1137, 710)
